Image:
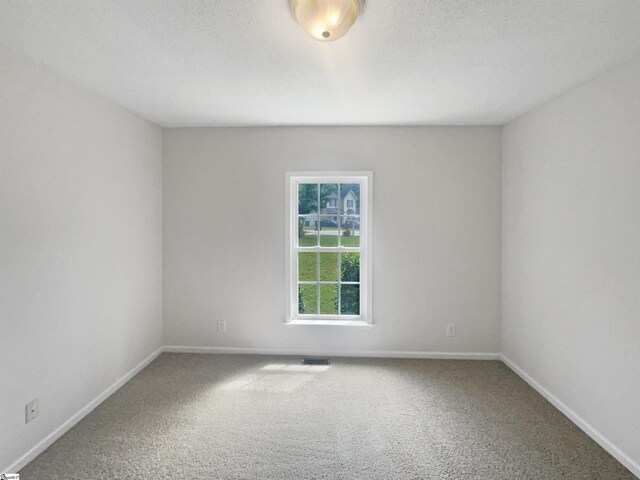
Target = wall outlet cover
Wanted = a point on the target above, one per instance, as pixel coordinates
(30, 410)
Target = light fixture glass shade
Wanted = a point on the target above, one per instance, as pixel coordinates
(326, 20)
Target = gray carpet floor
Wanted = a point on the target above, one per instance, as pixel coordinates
(191, 416)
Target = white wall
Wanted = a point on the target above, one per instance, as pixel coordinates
(571, 242)
(436, 262)
(80, 248)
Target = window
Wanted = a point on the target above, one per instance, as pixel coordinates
(329, 248)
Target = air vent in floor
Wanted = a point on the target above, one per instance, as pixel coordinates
(315, 361)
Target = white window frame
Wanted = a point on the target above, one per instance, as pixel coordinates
(365, 179)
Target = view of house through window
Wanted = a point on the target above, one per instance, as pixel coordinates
(328, 248)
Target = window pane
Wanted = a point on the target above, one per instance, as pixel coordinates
(308, 230)
(307, 198)
(350, 299)
(328, 267)
(308, 298)
(328, 299)
(328, 231)
(350, 267)
(350, 195)
(325, 223)
(307, 266)
(350, 231)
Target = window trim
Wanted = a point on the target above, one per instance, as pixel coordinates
(292, 179)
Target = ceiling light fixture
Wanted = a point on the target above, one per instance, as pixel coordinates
(326, 20)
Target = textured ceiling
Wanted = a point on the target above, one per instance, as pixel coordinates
(246, 62)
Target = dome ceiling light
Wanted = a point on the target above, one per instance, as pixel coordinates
(326, 20)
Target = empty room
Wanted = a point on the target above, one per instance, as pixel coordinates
(320, 239)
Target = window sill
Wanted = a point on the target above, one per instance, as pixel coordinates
(329, 323)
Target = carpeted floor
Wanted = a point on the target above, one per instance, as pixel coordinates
(254, 417)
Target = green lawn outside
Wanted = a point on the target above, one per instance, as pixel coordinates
(308, 264)
(310, 240)
(328, 298)
(307, 271)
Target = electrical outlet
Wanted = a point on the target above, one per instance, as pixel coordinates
(222, 325)
(451, 330)
(30, 410)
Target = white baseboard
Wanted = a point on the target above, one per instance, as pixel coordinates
(585, 426)
(75, 418)
(327, 353)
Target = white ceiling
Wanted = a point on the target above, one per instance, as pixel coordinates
(246, 62)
